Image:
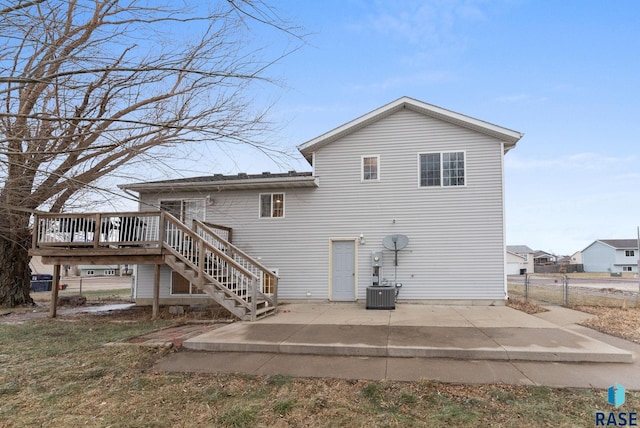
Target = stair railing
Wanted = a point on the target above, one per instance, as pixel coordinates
(210, 263)
(268, 279)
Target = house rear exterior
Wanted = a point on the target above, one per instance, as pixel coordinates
(408, 168)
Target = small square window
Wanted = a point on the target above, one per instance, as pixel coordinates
(371, 168)
(271, 205)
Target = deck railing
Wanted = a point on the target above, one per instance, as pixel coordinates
(211, 258)
(101, 230)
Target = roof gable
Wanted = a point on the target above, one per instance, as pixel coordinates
(508, 136)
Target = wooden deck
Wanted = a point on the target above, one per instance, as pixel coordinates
(202, 253)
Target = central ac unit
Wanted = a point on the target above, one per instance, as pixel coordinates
(381, 298)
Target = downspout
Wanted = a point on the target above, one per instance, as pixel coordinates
(504, 224)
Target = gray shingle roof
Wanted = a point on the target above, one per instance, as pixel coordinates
(239, 176)
(621, 243)
(519, 249)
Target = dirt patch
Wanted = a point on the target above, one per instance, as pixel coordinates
(620, 322)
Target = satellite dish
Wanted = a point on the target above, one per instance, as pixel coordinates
(395, 242)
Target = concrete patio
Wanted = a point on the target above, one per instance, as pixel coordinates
(470, 344)
(411, 330)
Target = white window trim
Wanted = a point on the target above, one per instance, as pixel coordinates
(271, 217)
(441, 152)
(90, 272)
(377, 179)
(109, 272)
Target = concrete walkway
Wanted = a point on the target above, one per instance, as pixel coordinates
(470, 344)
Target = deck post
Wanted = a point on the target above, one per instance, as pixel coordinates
(54, 291)
(156, 293)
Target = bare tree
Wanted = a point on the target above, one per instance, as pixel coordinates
(90, 86)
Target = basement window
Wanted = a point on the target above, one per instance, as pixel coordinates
(180, 286)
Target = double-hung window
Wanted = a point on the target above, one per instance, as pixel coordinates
(370, 168)
(443, 169)
(271, 205)
(629, 253)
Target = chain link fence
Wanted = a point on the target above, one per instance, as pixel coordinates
(570, 290)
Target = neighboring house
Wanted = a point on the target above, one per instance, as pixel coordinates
(99, 270)
(515, 264)
(576, 258)
(407, 168)
(544, 258)
(526, 262)
(611, 255)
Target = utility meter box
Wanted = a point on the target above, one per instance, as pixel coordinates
(376, 259)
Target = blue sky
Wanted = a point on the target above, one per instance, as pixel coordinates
(565, 73)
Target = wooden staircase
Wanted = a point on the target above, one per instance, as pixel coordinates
(199, 253)
(230, 277)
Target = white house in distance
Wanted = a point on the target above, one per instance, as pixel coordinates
(519, 257)
(611, 255)
(407, 168)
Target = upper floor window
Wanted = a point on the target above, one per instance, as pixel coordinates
(442, 169)
(629, 253)
(271, 205)
(370, 168)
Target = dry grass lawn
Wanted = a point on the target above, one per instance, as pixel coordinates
(620, 322)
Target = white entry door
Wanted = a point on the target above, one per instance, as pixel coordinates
(343, 272)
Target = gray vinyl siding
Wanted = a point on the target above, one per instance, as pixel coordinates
(456, 248)
(456, 243)
(598, 258)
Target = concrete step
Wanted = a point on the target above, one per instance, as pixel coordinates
(467, 343)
